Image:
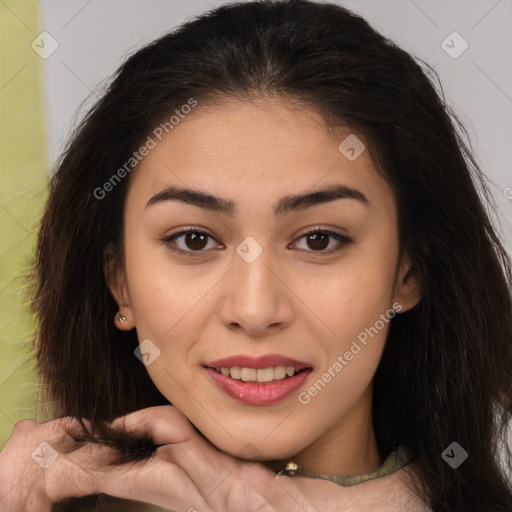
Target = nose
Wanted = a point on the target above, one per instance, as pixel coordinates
(257, 299)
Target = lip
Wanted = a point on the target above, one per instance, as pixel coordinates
(266, 361)
(256, 393)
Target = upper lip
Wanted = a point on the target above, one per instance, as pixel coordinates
(266, 361)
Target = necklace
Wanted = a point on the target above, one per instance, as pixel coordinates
(394, 461)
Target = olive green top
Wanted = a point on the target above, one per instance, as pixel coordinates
(394, 461)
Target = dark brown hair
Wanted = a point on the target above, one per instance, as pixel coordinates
(445, 373)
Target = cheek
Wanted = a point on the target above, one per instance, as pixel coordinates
(162, 293)
(360, 321)
(166, 312)
(354, 297)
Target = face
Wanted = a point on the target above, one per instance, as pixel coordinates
(264, 280)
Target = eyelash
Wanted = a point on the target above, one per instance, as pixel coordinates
(167, 241)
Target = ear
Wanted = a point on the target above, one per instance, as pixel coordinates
(115, 277)
(407, 287)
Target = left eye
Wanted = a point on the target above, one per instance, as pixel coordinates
(197, 241)
(318, 240)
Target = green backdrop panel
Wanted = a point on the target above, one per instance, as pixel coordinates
(23, 183)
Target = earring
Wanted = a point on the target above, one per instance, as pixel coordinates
(121, 318)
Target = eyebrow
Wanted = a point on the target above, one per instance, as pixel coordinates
(286, 204)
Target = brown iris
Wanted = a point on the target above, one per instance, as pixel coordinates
(196, 241)
(318, 240)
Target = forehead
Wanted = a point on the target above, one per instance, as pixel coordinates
(254, 149)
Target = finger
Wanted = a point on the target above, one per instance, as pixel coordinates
(165, 424)
(80, 472)
(31, 435)
(93, 456)
(205, 465)
(182, 449)
(210, 472)
(34, 465)
(154, 481)
(209, 469)
(64, 431)
(182, 445)
(224, 481)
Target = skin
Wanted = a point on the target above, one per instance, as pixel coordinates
(292, 300)
(186, 474)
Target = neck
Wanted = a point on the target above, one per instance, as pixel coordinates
(348, 448)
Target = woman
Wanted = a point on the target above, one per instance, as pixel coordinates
(270, 222)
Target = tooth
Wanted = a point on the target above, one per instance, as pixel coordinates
(265, 374)
(261, 375)
(235, 373)
(290, 370)
(279, 372)
(248, 374)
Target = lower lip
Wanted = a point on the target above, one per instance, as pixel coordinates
(256, 393)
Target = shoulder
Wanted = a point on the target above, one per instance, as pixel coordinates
(392, 493)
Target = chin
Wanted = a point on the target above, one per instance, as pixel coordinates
(251, 448)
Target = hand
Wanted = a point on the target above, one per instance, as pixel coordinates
(40, 466)
(210, 480)
(185, 474)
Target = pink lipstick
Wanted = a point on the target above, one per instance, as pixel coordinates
(264, 380)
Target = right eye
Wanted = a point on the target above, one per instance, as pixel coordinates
(193, 241)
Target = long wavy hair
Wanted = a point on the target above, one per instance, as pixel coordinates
(445, 373)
